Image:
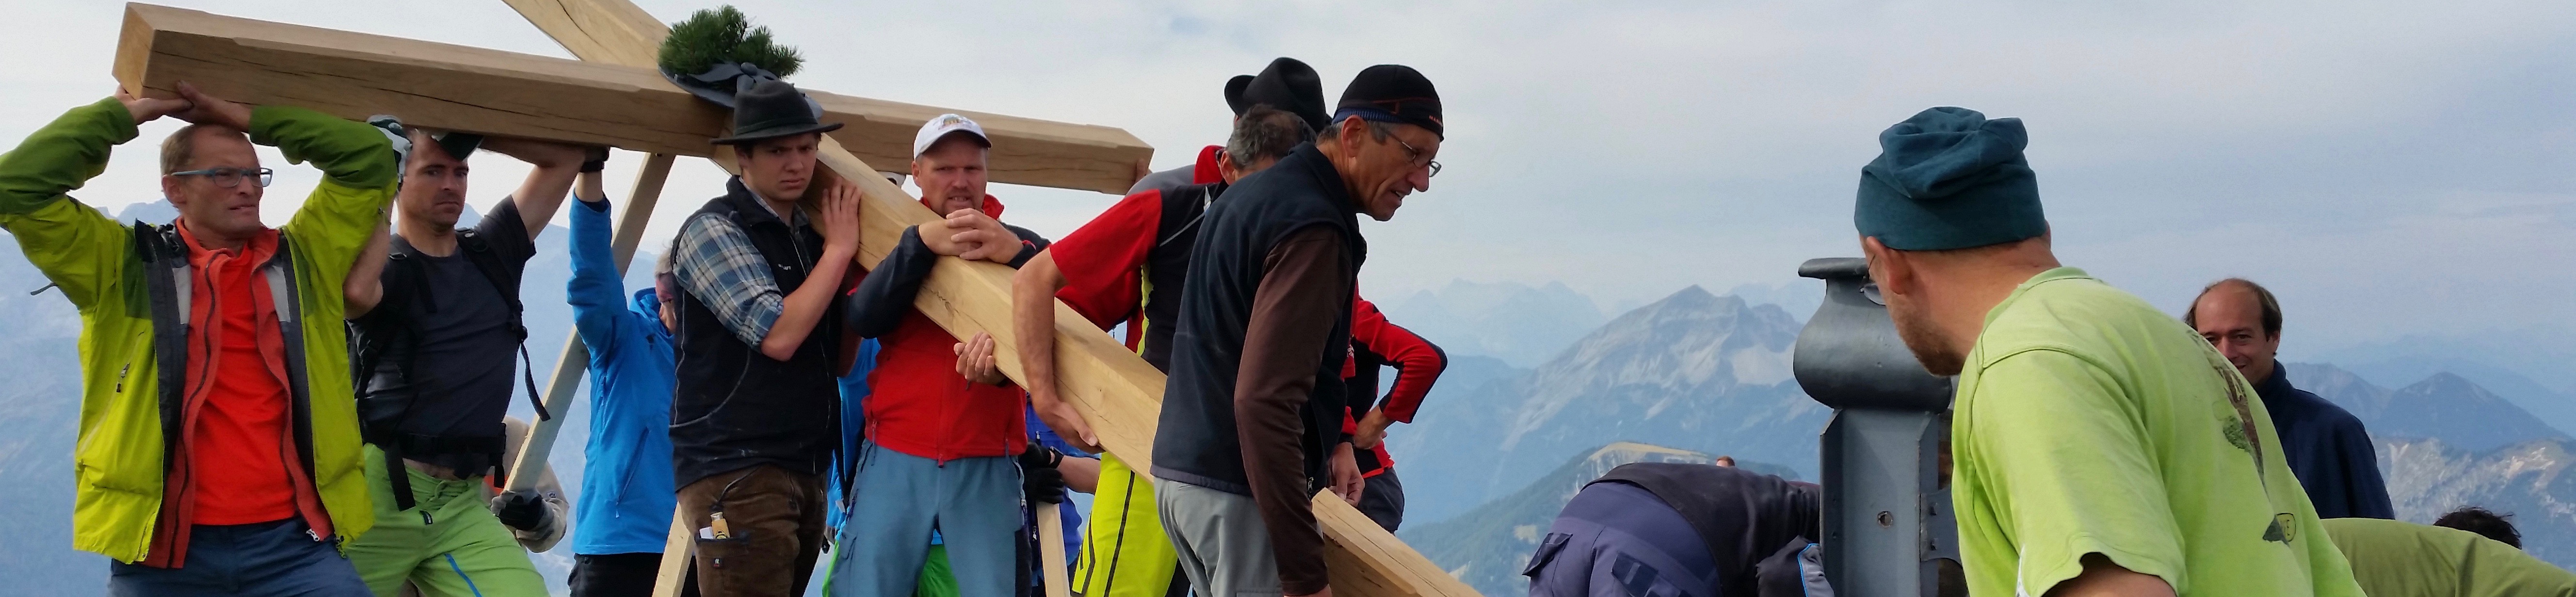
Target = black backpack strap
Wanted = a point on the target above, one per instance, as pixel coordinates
(167, 279)
(504, 280)
(384, 326)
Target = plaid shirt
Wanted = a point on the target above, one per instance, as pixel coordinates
(718, 264)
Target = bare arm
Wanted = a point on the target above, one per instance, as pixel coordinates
(2101, 578)
(1080, 474)
(806, 305)
(1033, 291)
(365, 287)
(543, 192)
(589, 188)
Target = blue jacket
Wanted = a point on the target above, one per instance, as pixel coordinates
(854, 395)
(2328, 450)
(626, 490)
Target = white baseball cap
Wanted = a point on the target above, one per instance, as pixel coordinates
(938, 128)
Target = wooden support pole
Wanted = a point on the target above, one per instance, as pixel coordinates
(620, 104)
(560, 393)
(1117, 392)
(1051, 551)
(677, 552)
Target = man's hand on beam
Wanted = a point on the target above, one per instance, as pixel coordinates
(211, 110)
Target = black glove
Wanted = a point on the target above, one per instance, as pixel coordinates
(1038, 477)
(594, 159)
(522, 510)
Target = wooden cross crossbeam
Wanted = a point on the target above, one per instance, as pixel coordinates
(629, 106)
(613, 97)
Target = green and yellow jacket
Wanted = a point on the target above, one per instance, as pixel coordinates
(130, 283)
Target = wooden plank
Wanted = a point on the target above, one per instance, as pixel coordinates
(677, 550)
(623, 105)
(1117, 392)
(560, 392)
(1051, 550)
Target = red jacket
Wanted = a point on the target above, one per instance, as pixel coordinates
(1417, 363)
(917, 404)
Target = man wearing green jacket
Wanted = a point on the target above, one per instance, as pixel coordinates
(219, 449)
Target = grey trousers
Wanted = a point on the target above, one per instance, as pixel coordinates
(1224, 550)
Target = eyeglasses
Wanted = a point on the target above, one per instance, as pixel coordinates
(1413, 154)
(232, 177)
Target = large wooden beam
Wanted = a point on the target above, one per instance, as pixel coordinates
(620, 104)
(1117, 392)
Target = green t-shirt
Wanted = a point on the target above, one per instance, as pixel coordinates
(2404, 559)
(2089, 422)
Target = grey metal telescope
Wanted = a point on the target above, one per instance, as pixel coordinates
(1887, 520)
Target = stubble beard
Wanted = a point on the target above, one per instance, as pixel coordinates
(1930, 345)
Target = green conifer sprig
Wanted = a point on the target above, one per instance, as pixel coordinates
(724, 34)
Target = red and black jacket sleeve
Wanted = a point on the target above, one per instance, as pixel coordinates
(1417, 362)
(1103, 261)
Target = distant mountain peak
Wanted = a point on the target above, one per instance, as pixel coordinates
(149, 212)
(2442, 406)
(1677, 346)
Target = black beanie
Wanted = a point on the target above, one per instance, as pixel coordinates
(1392, 93)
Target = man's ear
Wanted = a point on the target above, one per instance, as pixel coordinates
(1891, 269)
(170, 190)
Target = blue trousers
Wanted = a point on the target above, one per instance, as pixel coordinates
(899, 498)
(269, 558)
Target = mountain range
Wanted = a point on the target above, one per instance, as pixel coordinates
(1694, 371)
(2445, 442)
(1516, 323)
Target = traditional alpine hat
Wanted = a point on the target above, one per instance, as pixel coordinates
(1949, 178)
(772, 109)
(1287, 85)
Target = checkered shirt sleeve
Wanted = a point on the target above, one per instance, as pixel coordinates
(718, 265)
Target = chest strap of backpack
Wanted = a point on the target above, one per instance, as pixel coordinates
(480, 254)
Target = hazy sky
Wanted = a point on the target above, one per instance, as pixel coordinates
(2390, 168)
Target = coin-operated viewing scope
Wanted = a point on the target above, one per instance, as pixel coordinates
(1887, 523)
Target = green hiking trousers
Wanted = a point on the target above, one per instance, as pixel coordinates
(448, 545)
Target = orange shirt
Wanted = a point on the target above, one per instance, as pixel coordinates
(238, 444)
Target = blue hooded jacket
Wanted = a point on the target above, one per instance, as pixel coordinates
(626, 490)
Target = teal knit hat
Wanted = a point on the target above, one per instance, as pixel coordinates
(1948, 178)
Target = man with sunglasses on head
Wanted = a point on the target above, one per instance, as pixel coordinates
(439, 342)
(219, 443)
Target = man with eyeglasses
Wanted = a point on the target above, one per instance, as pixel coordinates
(219, 445)
(1127, 265)
(1254, 405)
(437, 321)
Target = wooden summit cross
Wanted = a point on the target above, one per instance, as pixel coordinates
(614, 96)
